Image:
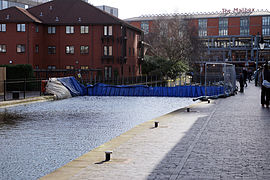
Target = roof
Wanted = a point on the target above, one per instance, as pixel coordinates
(18, 15)
(200, 15)
(72, 12)
(62, 12)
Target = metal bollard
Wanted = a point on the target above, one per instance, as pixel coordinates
(108, 155)
(156, 124)
(188, 109)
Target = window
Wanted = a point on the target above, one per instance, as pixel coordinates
(37, 48)
(37, 29)
(3, 27)
(51, 67)
(108, 31)
(111, 11)
(20, 48)
(108, 51)
(51, 30)
(3, 48)
(84, 50)
(84, 29)
(84, 67)
(266, 25)
(51, 50)
(223, 27)
(108, 72)
(20, 27)
(145, 27)
(70, 49)
(244, 26)
(69, 29)
(202, 27)
(69, 67)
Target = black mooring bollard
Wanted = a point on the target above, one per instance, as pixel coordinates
(108, 155)
(156, 124)
(208, 101)
(188, 109)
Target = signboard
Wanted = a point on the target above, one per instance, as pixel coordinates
(238, 10)
(2, 78)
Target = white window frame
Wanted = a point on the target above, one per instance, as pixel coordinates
(52, 47)
(20, 27)
(84, 29)
(3, 27)
(3, 48)
(51, 30)
(69, 29)
(108, 30)
(84, 49)
(20, 48)
(70, 49)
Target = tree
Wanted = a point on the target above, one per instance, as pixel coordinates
(175, 41)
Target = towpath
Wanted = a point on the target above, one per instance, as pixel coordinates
(226, 139)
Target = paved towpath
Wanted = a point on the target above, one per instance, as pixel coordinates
(226, 139)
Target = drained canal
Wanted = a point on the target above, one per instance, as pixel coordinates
(38, 138)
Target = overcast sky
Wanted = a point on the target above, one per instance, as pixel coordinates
(135, 8)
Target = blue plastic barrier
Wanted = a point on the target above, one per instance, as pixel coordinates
(77, 89)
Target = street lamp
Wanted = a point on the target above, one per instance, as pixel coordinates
(261, 45)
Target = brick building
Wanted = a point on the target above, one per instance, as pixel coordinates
(230, 36)
(63, 35)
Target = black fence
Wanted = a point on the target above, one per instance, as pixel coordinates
(20, 89)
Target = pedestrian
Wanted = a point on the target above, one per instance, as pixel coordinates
(265, 88)
(241, 82)
(249, 75)
(245, 73)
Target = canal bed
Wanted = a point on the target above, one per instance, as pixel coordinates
(47, 135)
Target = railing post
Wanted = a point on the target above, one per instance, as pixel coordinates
(24, 88)
(4, 90)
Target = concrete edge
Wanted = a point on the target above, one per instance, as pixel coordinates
(97, 155)
(6, 104)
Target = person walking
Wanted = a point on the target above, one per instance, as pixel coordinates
(265, 89)
(241, 82)
(245, 74)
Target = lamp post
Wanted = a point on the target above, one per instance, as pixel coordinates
(261, 45)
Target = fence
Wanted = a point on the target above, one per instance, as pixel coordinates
(20, 89)
(210, 75)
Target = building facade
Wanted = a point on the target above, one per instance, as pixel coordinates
(230, 36)
(20, 3)
(48, 37)
(110, 10)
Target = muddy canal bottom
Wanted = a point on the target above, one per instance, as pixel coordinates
(38, 138)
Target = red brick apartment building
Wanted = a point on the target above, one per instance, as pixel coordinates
(230, 36)
(63, 35)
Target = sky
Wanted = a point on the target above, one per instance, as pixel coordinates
(135, 8)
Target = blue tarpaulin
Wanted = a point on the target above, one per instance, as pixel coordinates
(75, 88)
(99, 89)
(178, 91)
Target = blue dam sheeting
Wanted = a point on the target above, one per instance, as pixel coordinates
(75, 88)
(140, 90)
(99, 89)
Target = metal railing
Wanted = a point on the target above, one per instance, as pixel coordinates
(20, 89)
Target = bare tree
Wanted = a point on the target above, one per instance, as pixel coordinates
(175, 39)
